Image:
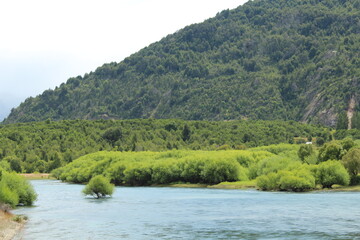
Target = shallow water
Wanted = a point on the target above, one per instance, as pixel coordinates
(62, 212)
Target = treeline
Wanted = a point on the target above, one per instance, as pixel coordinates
(44, 146)
(275, 167)
(268, 59)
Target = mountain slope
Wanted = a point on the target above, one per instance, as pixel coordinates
(266, 59)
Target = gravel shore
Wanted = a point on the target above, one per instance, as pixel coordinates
(8, 227)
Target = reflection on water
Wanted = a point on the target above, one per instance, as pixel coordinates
(62, 212)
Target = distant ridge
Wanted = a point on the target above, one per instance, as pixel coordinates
(279, 59)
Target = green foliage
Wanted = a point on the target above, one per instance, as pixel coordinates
(353, 133)
(138, 174)
(44, 146)
(331, 172)
(274, 164)
(282, 171)
(146, 168)
(266, 59)
(335, 150)
(186, 133)
(7, 195)
(330, 151)
(298, 180)
(351, 161)
(221, 170)
(99, 187)
(347, 143)
(320, 141)
(305, 151)
(15, 190)
(355, 121)
(268, 182)
(342, 122)
(112, 135)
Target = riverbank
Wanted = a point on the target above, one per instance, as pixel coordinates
(37, 176)
(235, 185)
(338, 188)
(10, 225)
(252, 185)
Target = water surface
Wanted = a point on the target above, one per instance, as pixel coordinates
(62, 212)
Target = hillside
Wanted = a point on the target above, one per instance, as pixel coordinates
(279, 59)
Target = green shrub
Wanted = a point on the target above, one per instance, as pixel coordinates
(275, 164)
(22, 187)
(305, 151)
(331, 172)
(298, 180)
(330, 151)
(347, 143)
(138, 174)
(165, 172)
(7, 196)
(351, 162)
(191, 170)
(116, 173)
(15, 190)
(320, 141)
(220, 170)
(99, 187)
(268, 182)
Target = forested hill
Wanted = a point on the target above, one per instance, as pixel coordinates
(268, 59)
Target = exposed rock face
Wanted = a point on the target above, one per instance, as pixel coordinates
(351, 110)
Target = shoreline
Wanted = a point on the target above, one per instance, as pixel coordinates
(10, 225)
(223, 185)
(36, 176)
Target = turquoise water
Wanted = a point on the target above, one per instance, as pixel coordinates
(62, 212)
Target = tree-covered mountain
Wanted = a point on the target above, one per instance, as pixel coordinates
(268, 59)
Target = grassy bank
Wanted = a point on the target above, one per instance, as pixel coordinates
(235, 185)
(182, 185)
(36, 176)
(339, 188)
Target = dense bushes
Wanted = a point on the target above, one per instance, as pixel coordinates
(145, 168)
(305, 177)
(335, 150)
(331, 172)
(275, 167)
(15, 190)
(298, 181)
(351, 162)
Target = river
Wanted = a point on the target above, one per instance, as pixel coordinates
(62, 212)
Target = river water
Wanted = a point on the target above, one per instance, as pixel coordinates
(62, 212)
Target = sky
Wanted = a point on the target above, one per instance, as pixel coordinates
(43, 43)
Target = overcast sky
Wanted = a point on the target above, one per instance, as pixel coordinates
(43, 43)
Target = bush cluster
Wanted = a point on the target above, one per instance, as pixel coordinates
(15, 190)
(145, 168)
(275, 167)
